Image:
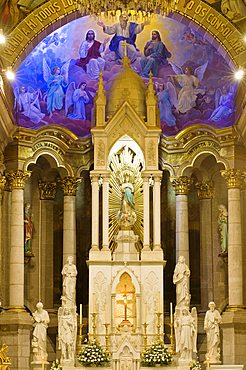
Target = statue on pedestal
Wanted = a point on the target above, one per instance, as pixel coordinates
(69, 273)
(211, 325)
(28, 227)
(41, 320)
(67, 326)
(222, 220)
(185, 324)
(126, 215)
(181, 278)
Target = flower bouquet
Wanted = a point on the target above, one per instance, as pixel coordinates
(156, 354)
(93, 355)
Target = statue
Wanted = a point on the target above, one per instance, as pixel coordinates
(126, 215)
(185, 324)
(41, 320)
(69, 273)
(28, 226)
(67, 327)
(222, 220)
(181, 280)
(211, 325)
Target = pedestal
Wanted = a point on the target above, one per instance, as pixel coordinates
(39, 365)
(234, 337)
(126, 250)
(15, 331)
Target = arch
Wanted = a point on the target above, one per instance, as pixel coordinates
(187, 167)
(206, 20)
(54, 161)
(116, 280)
(131, 143)
(166, 166)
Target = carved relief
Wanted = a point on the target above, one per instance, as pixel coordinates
(151, 153)
(151, 292)
(101, 153)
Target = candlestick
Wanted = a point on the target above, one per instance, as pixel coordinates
(145, 336)
(171, 312)
(80, 314)
(158, 314)
(80, 338)
(106, 338)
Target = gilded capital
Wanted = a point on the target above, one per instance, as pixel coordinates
(47, 189)
(69, 185)
(17, 178)
(205, 189)
(2, 186)
(234, 178)
(181, 184)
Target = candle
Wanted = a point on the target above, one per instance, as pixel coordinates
(81, 315)
(42, 363)
(145, 312)
(106, 313)
(159, 301)
(171, 312)
(93, 302)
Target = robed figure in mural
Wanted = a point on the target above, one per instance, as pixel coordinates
(78, 97)
(27, 102)
(90, 55)
(223, 104)
(123, 30)
(166, 99)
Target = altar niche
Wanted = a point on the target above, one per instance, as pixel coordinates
(125, 304)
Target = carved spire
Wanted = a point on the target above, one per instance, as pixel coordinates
(100, 102)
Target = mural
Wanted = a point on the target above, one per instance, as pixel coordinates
(57, 82)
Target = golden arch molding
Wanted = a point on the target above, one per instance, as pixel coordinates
(210, 23)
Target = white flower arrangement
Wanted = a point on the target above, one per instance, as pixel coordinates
(156, 354)
(93, 355)
(56, 365)
(195, 365)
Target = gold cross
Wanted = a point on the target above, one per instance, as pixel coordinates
(125, 45)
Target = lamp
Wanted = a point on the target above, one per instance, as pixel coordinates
(239, 74)
(9, 73)
(2, 37)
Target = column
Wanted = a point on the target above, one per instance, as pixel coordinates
(17, 182)
(105, 209)
(95, 213)
(182, 186)
(47, 196)
(234, 180)
(69, 187)
(157, 211)
(146, 223)
(205, 195)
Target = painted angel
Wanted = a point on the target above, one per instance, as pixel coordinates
(27, 102)
(223, 103)
(78, 98)
(189, 83)
(167, 98)
(55, 81)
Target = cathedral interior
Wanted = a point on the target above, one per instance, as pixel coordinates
(80, 124)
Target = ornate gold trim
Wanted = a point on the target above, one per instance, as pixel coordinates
(181, 184)
(234, 178)
(69, 185)
(16, 309)
(47, 190)
(205, 189)
(17, 178)
(235, 308)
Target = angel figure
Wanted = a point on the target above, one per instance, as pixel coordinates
(28, 103)
(167, 97)
(55, 81)
(189, 82)
(78, 97)
(67, 330)
(190, 36)
(186, 333)
(223, 103)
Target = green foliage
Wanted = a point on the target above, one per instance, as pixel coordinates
(157, 354)
(93, 355)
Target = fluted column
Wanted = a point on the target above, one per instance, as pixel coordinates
(105, 210)
(17, 180)
(95, 213)
(182, 186)
(146, 223)
(69, 187)
(234, 180)
(205, 195)
(47, 196)
(157, 211)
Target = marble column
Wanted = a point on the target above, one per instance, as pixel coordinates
(95, 212)
(17, 182)
(234, 180)
(69, 186)
(105, 210)
(157, 211)
(182, 186)
(205, 195)
(47, 196)
(146, 219)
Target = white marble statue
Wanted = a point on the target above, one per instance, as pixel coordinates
(67, 329)
(69, 273)
(181, 278)
(41, 321)
(185, 324)
(211, 325)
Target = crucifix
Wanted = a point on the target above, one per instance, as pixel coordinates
(125, 292)
(125, 45)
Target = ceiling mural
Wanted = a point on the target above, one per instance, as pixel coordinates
(57, 82)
